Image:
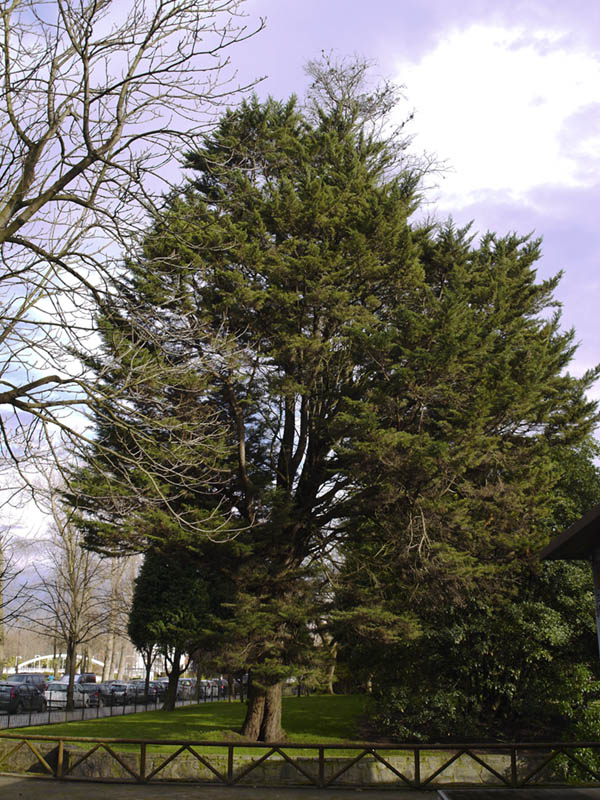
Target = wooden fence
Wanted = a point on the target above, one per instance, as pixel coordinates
(358, 764)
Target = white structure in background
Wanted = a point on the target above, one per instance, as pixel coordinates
(134, 667)
(47, 663)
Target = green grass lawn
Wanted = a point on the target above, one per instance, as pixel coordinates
(326, 719)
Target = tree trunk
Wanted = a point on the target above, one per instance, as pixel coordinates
(331, 673)
(173, 674)
(121, 665)
(113, 659)
(2, 567)
(70, 670)
(148, 661)
(263, 718)
(198, 678)
(255, 712)
(270, 729)
(107, 673)
(70, 658)
(55, 657)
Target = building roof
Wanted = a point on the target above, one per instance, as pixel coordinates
(578, 541)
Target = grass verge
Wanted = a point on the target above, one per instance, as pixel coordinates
(326, 719)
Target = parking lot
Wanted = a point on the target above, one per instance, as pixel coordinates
(51, 716)
(30, 698)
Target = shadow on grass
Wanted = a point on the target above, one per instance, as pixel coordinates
(319, 718)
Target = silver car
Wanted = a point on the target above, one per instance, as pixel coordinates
(56, 695)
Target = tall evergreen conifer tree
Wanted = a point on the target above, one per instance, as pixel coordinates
(515, 662)
(370, 386)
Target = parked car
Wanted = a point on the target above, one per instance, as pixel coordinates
(165, 683)
(87, 682)
(208, 690)
(37, 679)
(158, 690)
(161, 689)
(137, 692)
(187, 686)
(56, 695)
(113, 693)
(81, 677)
(20, 695)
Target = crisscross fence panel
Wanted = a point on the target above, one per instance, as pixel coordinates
(357, 764)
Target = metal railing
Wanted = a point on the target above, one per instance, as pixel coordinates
(58, 713)
(416, 766)
(110, 707)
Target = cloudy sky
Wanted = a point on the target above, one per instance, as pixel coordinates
(505, 92)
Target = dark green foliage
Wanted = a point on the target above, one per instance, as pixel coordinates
(173, 609)
(171, 602)
(254, 294)
(156, 460)
(455, 437)
(336, 392)
(520, 669)
(520, 662)
(475, 450)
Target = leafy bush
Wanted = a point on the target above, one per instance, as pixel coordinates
(520, 669)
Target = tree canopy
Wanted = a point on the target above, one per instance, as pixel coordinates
(386, 395)
(516, 662)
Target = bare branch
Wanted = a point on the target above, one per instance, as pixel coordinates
(97, 100)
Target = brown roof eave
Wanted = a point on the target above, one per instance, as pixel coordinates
(578, 541)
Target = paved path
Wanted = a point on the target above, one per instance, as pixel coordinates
(519, 794)
(15, 788)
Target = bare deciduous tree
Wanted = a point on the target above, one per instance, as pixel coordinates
(98, 99)
(12, 594)
(69, 598)
(121, 574)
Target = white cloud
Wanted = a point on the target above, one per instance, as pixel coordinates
(495, 103)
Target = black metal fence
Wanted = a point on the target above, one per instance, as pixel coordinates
(53, 714)
(113, 705)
